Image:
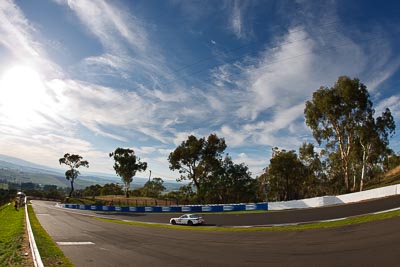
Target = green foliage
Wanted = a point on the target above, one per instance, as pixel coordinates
(11, 235)
(196, 158)
(185, 195)
(341, 118)
(92, 190)
(153, 188)
(391, 161)
(316, 182)
(73, 162)
(287, 175)
(126, 165)
(6, 195)
(107, 189)
(111, 189)
(229, 183)
(49, 193)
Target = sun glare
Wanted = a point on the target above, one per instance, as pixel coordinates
(21, 95)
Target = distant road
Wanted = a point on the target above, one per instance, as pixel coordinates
(101, 243)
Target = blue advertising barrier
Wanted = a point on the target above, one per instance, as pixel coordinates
(189, 208)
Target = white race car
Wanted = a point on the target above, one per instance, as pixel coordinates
(189, 219)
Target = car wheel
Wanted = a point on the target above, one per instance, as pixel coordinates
(173, 222)
(190, 223)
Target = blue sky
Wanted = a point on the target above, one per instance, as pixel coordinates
(86, 77)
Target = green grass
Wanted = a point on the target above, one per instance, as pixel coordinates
(11, 235)
(308, 226)
(50, 253)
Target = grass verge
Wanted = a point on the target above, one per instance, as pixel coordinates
(11, 235)
(50, 253)
(308, 226)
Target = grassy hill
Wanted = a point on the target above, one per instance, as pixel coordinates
(390, 178)
(19, 171)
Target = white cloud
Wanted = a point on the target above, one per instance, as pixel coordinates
(393, 103)
(233, 138)
(128, 52)
(237, 20)
(107, 21)
(18, 37)
(16, 31)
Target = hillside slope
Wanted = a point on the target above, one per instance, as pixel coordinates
(390, 178)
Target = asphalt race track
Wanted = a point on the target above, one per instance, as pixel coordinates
(110, 244)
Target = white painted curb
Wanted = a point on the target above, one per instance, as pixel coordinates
(37, 260)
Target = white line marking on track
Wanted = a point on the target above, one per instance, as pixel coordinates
(74, 243)
(379, 212)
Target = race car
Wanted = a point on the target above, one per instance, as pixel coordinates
(188, 219)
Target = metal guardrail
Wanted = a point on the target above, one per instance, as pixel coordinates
(37, 260)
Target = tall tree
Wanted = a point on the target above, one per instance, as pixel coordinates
(374, 137)
(92, 190)
(315, 183)
(333, 115)
(196, 158)
(230, 183)
(111, 189)
(154, 187)
(73, 162)
(126, 165)
(286, 175)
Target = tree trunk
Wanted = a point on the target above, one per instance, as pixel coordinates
(126, 192)
(72, 188)
(346, 175)
(344, 154)
(364, 164)
(354, 181)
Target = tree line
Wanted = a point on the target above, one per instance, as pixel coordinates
(353, 149)
(152, 188)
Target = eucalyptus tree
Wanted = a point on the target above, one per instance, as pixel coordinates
(229, 183)
(374, 137)
(342, 118)
(286, 174)
(196, 158)
(154, 188)
(126, 164)
(315, 180)
(73, 161)
(334, 113)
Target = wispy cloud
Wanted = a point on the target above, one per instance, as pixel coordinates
(254, 101)
(18, 37)
(237, 22)
(127, 48)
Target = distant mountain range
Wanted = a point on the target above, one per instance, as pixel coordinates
(21, 171)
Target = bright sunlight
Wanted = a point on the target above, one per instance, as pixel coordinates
(22, 94)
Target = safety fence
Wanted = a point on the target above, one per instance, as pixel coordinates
(189, 208)
(282, 205)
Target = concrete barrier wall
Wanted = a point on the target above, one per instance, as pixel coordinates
(369, 194)
(333, 200)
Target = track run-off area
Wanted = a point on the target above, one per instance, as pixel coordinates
(87, 241)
